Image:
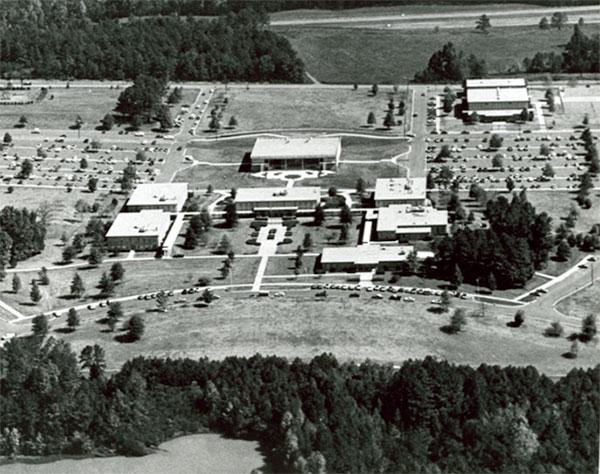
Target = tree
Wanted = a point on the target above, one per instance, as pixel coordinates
(344, 233)
(96, 255)
(491, 282)
(548, 171)
(191, 238)
(78, 123)
(371, 120)
(128, 178)
(519, 318)
(307, 242)
(510, 184)
(175, 96)
(22, 120)
(135, 328)
(445, 176)
(574, 350)
(555, 330)
(345, 215)
(208, 296)
(496, 141)
(106, 285)
(35, 293)
(114, 314)
(544, 24)
(93, 359)
(92, 184)
(389, 120)
(164, 117)
(448, 100)
(7, 139)
(26, 169)
(497, 161)
(231, 216)
(332, 191)
(558, 20)
(544, 150)
(401, 108)
(162, 301)
(108, 122)
(40, 326)
(319, 215)
(412, 261)
(83, 163)
(77, 286)
(374, 89)
(445, 301)
(68, 254)
(224, 246)
(233, 122)
(524, 115)
(457, 277)
(360, 186)
(483, 24)
(458, 320)
(72, 319)
(391, 104)
(43, 276)
(588, 328)
(214, 124)
(117, 272)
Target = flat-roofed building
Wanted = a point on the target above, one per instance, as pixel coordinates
(367, 257)
(277, 201)
(168, 197)
(144, 230)
(390, 191)
(405, 223)
(319, 153)
(495, 99)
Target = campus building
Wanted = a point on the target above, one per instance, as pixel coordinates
(404, 223)
(495, 99)
(367, 257)
(277, 201)
(144, 230)
(390, 191)
(318, 153)
(168, 197)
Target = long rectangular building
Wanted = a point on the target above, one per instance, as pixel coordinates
(405, 223)
(495, 99)
(390, 191)
(367, 257)
(169, 197)
(144, 230)
(319, 153)
(277, 201)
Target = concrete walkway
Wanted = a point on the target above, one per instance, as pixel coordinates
(539, 111)
(268, 247)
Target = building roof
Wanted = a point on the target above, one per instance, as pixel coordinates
(369, 254)
(498, 94)
(153, 194)
(485, 83)
(300, 193)
(295, 148)
(138, 224)
(404, 218)
(400, 188)
(496, 112)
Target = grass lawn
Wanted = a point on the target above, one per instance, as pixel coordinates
(279, 265)
(558, 203)
(362, 149)
(225, 177)
(347, 175)
(326, 235)
(351, 329)
(237, 237)
(348, 55)
(582, 303)
(281, 108)
(230, 151)
(60, 112)
(140, 277)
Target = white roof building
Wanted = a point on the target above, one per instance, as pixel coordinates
(367, 256)
(496, 98)
(169, 197)
(493, 83)
(278, 200)
(146, 223)
(296, 148)
(400, 191)
(497, 94)
(398, 220)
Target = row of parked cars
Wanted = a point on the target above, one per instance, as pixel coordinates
(388, 289)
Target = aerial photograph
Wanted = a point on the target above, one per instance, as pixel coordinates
(299, 236)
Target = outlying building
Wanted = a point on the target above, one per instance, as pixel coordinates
(495, 99)
(390, 191)
(277, 201)
(405, 222)
(169, 197)
(367, 257)
(144, 230)
(319, 153)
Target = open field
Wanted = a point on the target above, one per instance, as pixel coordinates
(349, 55)
(300, 326)
(60, 112)
(327, 235)
(221, 177)
(558, 204)
(274, 108)
(347, 175)
(140, 277)
(586, 301)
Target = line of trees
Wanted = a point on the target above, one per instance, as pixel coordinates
(450, 64)
(174, 47)
(22, 235)
(314, 416)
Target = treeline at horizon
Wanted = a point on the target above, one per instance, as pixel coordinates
(316, 416)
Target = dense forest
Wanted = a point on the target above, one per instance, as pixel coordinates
(65, 43)
(516, 244)
(22, 234)
(428, 416)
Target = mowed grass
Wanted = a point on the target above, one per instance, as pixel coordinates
(60, 112)
(351, 329)
(371, 149)
(557, 204)
(140, 277)
(348, 174)
(221, 177)
(290, 108)
(582, 303)
(349, 55)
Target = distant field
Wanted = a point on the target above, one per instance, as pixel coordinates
(60, 112)
(582, 303)
(392, 56)
(351, 329)
(558, 204)
(273, 108)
